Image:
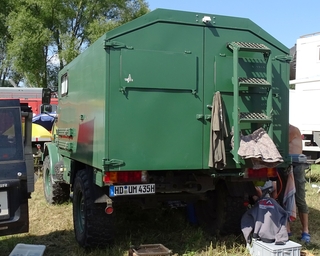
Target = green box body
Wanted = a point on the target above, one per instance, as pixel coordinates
(137, 98)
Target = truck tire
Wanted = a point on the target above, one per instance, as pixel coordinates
(221, 213)
(206, 213)
(54, 192)
(230, 210)
(92, 226)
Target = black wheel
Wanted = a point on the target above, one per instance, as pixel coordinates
(54, 192)
(206, 213)
(221, 213)
(230, 209)
(92, 226)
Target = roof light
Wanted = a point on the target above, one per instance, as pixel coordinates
(206, 19)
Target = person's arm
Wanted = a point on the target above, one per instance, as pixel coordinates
(295, 140)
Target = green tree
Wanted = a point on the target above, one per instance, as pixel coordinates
(41, 29)
(6, 71)
(101, 23)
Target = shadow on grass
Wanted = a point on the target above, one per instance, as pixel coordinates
(166, 226)
(134, 227)
(314, 224)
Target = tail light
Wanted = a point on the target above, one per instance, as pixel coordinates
(108, 210)
(260, 173)
(125, 177)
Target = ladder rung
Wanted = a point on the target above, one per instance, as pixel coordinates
(254, 118)
(253, 82)
(250, 47)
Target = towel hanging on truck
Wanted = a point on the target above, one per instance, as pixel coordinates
(218, 133)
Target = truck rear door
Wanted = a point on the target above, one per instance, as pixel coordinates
(156, 105)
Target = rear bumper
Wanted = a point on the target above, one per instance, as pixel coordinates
(14, 214)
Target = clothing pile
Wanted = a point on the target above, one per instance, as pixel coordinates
(265, 221)
(260, 148)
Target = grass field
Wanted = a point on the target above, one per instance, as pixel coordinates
(52, 226)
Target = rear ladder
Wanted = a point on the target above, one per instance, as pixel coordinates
(243, 83)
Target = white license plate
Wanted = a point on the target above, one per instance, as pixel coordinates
(4, 210)
(125, 190)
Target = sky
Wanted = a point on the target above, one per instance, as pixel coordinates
(285, 20)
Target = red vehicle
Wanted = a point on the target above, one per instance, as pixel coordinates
(32, 96)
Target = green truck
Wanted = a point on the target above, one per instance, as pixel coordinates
(138, 112)
(16, 166)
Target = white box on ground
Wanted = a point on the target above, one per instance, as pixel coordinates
(28, 250)
(260, 248)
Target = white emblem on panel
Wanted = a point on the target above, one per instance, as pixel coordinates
(129, 79)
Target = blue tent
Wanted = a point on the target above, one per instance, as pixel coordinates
(45, 120)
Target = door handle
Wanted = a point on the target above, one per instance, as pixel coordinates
(199, 116)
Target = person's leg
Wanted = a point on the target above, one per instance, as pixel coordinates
(299, 177)
(304, 222)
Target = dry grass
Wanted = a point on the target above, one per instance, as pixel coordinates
(52, 226)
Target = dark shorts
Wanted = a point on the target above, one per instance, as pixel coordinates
(300, 183)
